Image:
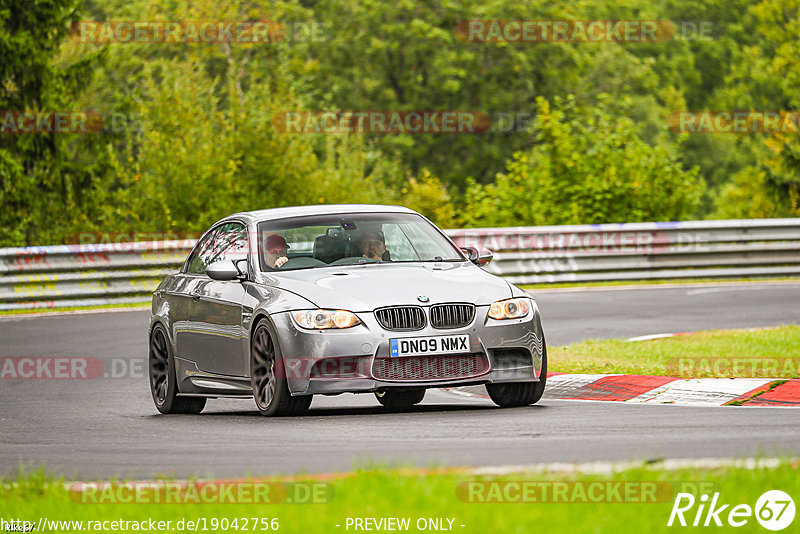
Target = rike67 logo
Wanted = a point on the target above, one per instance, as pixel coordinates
(774, 510)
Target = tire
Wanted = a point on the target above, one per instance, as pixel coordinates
(400, 400)
(268, 379)
(163, 385)
(520, 393)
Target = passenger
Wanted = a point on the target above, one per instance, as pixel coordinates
(373, 245)
(275, 251)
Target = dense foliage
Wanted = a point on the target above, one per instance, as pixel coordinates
(189, 136)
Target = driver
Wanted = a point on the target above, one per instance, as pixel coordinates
(373, 245)
(275, 251)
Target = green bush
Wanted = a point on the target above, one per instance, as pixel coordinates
(587, 166)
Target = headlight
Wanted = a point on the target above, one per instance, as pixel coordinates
(320, 319)
(509, 309)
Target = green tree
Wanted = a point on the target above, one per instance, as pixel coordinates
(586, 167)
(766, 77)
(46, 179)
(427, 194)
(409, 56)
(202, 143)
(201, 154)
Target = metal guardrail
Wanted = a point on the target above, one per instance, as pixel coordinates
(77, 275)
(641, 251)
(86, 275)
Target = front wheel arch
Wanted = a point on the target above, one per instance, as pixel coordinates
(261, 315)
(281, 401)
(507, 395)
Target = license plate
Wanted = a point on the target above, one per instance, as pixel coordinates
(419, 346)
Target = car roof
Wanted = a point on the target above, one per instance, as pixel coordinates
(319, 209)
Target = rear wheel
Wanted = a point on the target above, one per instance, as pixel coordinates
(163, 385)
(520, 393)
(400, 400)
(268, 378)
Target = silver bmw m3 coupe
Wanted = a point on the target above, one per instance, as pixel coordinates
(287, 303)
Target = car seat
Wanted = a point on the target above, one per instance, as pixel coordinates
(328, 249)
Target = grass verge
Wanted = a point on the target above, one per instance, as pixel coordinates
(757, 353)
(585, 503)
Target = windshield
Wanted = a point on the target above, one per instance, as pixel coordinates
(349, 239)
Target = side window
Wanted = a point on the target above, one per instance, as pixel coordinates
(228, 242)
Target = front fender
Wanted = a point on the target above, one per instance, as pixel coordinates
(264, 301)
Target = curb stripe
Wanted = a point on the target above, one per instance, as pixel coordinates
(650, 389)
(565, 385)
(620, 387)
(787, 394)
(755, 391)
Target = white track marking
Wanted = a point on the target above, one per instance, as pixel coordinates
(720, 289)
(608, 468)
(650, 336)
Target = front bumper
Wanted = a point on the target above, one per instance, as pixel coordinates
(352, 360)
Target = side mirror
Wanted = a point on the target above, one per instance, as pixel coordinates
(223, 270)
(479, 258)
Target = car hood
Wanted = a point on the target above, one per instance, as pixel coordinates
(362, 288)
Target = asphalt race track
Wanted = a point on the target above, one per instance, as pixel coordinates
(109, 427)
(569, 316)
